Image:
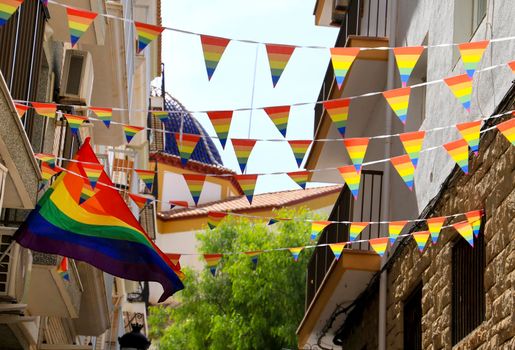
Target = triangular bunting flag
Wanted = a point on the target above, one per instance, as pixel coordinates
(242, 149)
(279, 116)
(7, 8)
(140, 201)
(394, 230)
(507, 128)
(357, 147)
(195, 184)
(213, 48)
(272, 221)
(405, 168)
(278, 57)
(421, 239)
(186, 144)
(299, 148)
(300, 178)
(214, 218)
(342, 59)
(21, 109)
(75, 121)
(87, 192)
(146, 34)
(212, 261)
(351, 178)
(130, 131)
(174, 258)
(45, 109)
(338, 111)
(221, 121)
(412, 142)
(317, 227)
(379, 245)
(355, 229)
(62, 269)
(45, 157)
(459, 152)
(161, 115)
(461, 87)
(295, 252)
(474, 219)
(248, 184)
(471, 54)
(103, 114)
(398, 100)
(47, 171)
(435, 226)
(253, 257)
(147, 176)
(407, 58)
(337, 249)
(465, 230)
(174, 203)
(511, 65)
(78, 23)
(470, 132)
(92, 171)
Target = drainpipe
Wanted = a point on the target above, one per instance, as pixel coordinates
(392, 8)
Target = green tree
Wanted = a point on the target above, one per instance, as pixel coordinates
(244, 306)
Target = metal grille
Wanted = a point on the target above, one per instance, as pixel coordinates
(147, 219)
(5, 242)
(157, 138)
(413, 320)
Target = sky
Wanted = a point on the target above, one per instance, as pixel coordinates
(242, 78)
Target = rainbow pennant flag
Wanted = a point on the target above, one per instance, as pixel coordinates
(130, 131)
(161, 115)
(214, 218)
(474, 219)
(317, 227)
(511, 65)
(242, 149)
(351, 178)
(93, 171)
(104, 114)
(248, 184)
(48, 171)
(342, 59)
(299, 148)
(405, 168)
(459, 152)
(355, 229)
(87, 192)
(174, 258)
(21, 109)
(465, 230)
(140, 201)
(398, 100)
(421, 239)
(45, 109)
(62, 269)
(75, 121)
(253, 257)
(221, 121)
(175, 203)
(212, 261)
(357, 147)
(146, 34)
(101, 232)
(300, 178)
(278, 57)
(379, 245)
(195, 183)
(337, 249)
(78, 23)
(461, 87)
(338, 111)
(407, 58)
(470, 132)
(507, 128)
(435, 226)
(7, 8)
(272, 221)
(412, 142)
(279, 116)
(394, 230)
(47, 158)
(147, 176)
(186, 144)
(213, 48)
(471, 54)
(295, 252)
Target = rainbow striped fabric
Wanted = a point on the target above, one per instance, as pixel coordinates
(161, 115)
(213, 48)
(465, 230)
(130, 131)
(104, 114)
(214, 218)
(243, 149)
(461, 87)
(459, 152)
(87, 192)
(435, 226)
(394, 230)
(7, 8)
(92, 171)
(195, 184)
(317, 227)
(511, 65)
(146, 34)
(278, 57)
(471, 54)
(221, 121)
(253, 257)
(48, 171)
(470, 133)
(21, 109)
(295, 252)
(405, 168)
(337, 249)
(407, 58)
(412, 142)
(279, 116)
(62, 269)
(212, 261)
(299, 149)
(356, 147)
(474, 219)
(355, 229)
(342, 59)
(78, 23)
(351, 178)
(47, 158)
(300, 178)
(248, 184)
(338, 111)
(74, 122)
(101, 232)
(398, 100)
(147, 176)
(140, 201)
(186, 144)
(379, 245)
(507, 128)
(45, 109)
(421, 239)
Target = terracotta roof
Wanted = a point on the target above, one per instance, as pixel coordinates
(260, 201)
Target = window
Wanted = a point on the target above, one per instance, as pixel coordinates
(413, 320)
(468, 15)
(468, 295)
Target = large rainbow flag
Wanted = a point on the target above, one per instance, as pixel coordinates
(101, 232)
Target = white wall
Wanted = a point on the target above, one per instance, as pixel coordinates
(175, 188)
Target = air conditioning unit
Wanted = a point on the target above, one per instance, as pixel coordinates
(77, 78)
(14, 267)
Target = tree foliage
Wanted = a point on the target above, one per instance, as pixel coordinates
(244, 306)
